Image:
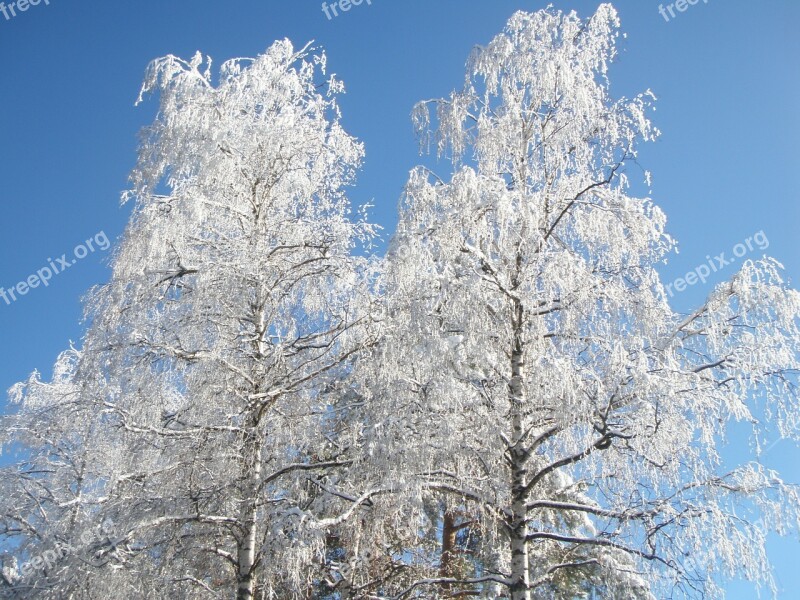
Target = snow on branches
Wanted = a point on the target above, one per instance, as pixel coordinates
(504, 406)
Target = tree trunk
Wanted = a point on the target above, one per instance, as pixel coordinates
(246, 577)
(449, 533)
(246, 550)
(520, 572)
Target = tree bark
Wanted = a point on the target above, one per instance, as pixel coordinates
(246, 580)
(520, 571)
(449, 533)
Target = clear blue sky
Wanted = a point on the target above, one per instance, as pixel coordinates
(726, 73)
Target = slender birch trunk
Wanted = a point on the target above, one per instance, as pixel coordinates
(246, 552)
(520, 571)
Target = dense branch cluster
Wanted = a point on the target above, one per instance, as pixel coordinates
(505, 405)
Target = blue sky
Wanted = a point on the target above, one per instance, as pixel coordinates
(727, 75)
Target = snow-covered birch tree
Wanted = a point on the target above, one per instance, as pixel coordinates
(526, 416)
(216, 352)
(533, 371)
(51, 534)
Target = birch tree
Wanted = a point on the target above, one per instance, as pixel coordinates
(51, 533)
(526, 417)
(215, 353)
(533, 371)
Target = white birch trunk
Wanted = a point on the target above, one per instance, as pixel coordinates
(520, 571)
